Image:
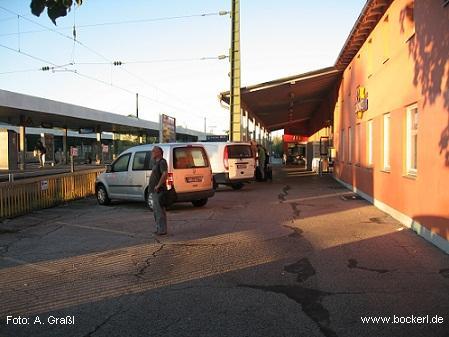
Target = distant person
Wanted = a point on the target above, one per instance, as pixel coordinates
(58, 156)
(159, 172)
(267, 167)
(41, 151)
(262, 156)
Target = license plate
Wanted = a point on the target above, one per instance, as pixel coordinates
(241, 166)
(194, 179)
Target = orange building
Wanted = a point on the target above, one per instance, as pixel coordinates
(396, 153)
(385, 107)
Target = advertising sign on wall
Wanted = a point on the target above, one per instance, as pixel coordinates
(168, 129)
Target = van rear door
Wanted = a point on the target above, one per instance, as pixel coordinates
(191, 169)
(240, 161)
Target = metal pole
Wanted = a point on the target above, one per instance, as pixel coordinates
(235, 130)
(205, 129)
(137, 105)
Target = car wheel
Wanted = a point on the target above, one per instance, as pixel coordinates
(149, 200)
(102, 196)
(199, 203)
(237, 186)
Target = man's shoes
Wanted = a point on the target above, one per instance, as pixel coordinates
(159, 233)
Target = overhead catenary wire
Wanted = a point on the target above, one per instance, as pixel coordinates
(60, 68)
(119, 63)
(36, 58)
(124, 22)
(101, 56)
(111, 62)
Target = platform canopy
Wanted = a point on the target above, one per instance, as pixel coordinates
(300, 104)
(30, 111)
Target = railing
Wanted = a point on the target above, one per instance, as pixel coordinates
(23, 196)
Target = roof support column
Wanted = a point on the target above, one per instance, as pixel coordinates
(115, 145)
(99, 152)
(64, 146)
(22, 147)
(254, 128)
(235, 130)
(247, 134)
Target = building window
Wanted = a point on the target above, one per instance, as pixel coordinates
(358, 141)
(412, 139)
(369, 136)
(349, 145)
(386, 144)
(342, 145)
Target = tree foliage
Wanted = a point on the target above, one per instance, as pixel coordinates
(277, 145)
(55, 8)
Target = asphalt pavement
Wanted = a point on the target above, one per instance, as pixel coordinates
(293, 257)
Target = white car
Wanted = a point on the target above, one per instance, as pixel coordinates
(127, 178)
(233, 163)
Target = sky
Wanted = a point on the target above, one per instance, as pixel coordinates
(163, 54)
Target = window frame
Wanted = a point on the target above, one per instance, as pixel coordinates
(358, 142)
(386, 141)
(146, 161)
(410, 134)
(370, 143)
(342, 145)
(175, 159)
(349, 145)
(119, 158)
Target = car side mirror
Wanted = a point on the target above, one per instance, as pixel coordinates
(108, 168)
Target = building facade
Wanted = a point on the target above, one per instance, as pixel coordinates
(396, 153)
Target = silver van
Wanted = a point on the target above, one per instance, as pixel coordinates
(127, 178)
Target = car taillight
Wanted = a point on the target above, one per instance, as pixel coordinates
(225, 158)
(170, 181)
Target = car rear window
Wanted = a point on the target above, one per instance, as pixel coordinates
(189, 157)
(239, 151)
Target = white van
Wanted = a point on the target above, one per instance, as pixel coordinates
(232, 163)
(127, 178)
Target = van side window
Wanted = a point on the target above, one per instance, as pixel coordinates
(189, 157)
(121, 164)
(141, 161)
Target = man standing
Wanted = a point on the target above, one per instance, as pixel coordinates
(156, 187)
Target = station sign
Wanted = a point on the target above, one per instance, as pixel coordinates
(44, 185)
(217, 138)
(74, 151)
(294, 138)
